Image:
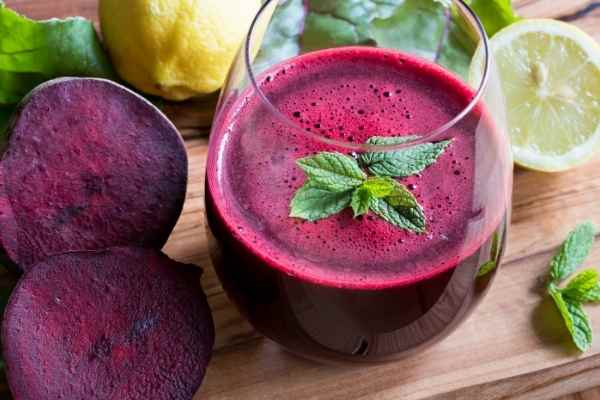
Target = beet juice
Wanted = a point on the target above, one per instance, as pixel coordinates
(345, 288)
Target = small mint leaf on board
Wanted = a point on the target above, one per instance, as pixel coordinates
(575, 319)
(573, 252)
(405, 162)
(313, 202)
(334, 172)
(577, 289)
(581, 330)
(361, 198)
(400, 209)
(592, 295)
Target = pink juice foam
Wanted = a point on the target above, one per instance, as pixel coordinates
(348, 94)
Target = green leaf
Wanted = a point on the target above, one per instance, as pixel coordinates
(298, 26)
(494, 14)
(361, 198)
(486, 268)
(400, 209)
(495, 250)
(332, 23)
(429, 29)
(367, 158)
(573, 252)
(580, 285)
(417, 26)
(282, 38)
(405, 162)
(380, 187)
(389, 140)
(313, 203)
(575, 319)
(373, 188)
(334, 172)
(581, 331)
(592, 295)
(491, 265)
(34, 51)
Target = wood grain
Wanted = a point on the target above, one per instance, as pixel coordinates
(505, 350)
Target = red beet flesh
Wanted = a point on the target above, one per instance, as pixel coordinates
(89, 165)
(123, 323)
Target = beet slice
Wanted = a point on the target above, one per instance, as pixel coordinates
(123, 323)
(89, 165)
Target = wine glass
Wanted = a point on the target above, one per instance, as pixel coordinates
(358, 185)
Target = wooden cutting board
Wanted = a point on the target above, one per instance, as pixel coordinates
(509, 347)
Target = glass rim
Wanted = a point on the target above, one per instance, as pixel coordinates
(361, 147)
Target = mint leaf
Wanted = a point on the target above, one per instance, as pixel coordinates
(35, 51)
(361, 198)
(591, 296)
(367, 158)
(400, 209)
(389, 140)
(486, 268)
(489, 266)
(334, 172)
(575, 319)
(313, 202)
(581, 331)
(380, 187)
(494, 14)
(573, 252)
(580, 285)
(405, 162)
(373, 188)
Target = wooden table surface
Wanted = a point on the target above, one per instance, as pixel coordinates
(505, 349)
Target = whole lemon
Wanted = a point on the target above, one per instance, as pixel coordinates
(175, 49)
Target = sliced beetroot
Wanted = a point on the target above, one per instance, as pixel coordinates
(123, 323)
(89, 165)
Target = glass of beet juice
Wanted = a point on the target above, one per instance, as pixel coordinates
(358, 196)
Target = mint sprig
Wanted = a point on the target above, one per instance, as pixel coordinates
(572, 252)
(405, 162)
(313, 203)
(581, 289)
(332, 171)
(337, 181)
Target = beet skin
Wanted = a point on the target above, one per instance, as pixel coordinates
(89, 165)
(123, 323)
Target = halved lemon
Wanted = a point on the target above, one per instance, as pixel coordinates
(550, 76)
